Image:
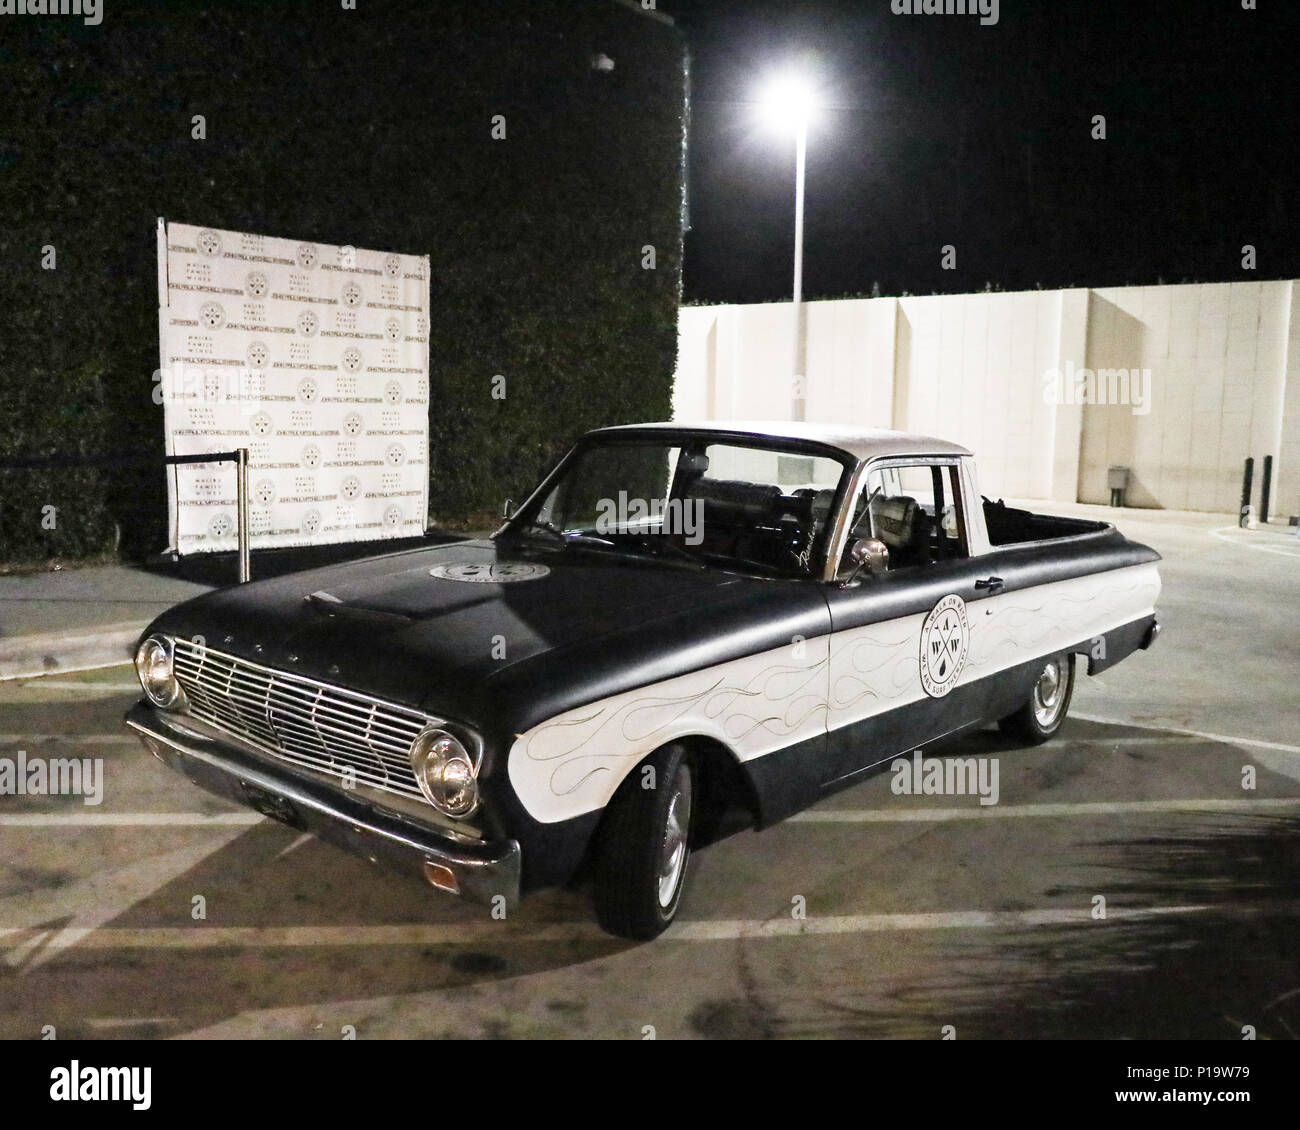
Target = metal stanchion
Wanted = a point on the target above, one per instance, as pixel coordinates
(118, 459)
(241, 487)
(1265, 490)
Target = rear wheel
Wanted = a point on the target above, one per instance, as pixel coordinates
(644, 847)
(1049, 700)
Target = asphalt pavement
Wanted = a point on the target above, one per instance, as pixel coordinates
(1126, 886)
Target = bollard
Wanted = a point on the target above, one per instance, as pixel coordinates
(1264, 490)
(1246, 480)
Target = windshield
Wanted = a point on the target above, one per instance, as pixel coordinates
(749, 508)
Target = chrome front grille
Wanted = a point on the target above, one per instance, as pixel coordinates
(310, 724)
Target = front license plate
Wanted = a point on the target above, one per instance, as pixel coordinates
(268, 804)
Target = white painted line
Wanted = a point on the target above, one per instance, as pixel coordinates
(64, 653)
(1012, 811)
(201, 937)
(85, 905)
(129, 819)
(271, 937)
(1262, 548)
(784, 927)
(1227, 739)
(1125, 741)
(75, 668)
(128, 1021)
(306, 837)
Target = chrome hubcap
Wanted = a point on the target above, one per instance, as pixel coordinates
(676, 829)
(1049, 693)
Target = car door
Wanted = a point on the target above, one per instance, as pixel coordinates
(900, 638)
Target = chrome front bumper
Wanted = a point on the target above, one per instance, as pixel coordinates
(476, 869)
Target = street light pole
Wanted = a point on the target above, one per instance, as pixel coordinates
(799, 398)
(790, 101)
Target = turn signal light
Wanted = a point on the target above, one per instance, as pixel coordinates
(441, 877)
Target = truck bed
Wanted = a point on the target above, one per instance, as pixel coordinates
(1009, 526)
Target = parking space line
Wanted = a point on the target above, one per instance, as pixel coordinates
(128, 819)
(129, 1021)
(1013, 811)
(1128, 741)
(486, 932)
(1225, 739)
(1239, 541)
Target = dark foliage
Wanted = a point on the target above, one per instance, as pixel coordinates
(368, 127)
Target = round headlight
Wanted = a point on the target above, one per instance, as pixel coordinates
(153, 665)
(444, 771)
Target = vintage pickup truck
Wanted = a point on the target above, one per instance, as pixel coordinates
(680, 621)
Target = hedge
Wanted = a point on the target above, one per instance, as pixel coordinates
(370, 127)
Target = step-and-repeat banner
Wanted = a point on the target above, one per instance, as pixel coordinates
(315, 358)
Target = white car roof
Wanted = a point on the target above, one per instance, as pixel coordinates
(860, 443)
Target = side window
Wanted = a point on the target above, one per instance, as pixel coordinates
(916, 510)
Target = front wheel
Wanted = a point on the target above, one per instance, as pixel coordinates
(644, 847)
(1049, 700)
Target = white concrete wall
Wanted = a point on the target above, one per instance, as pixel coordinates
(974, 368)
(969, 368)
(1217, 355)
(851, 348)
(1286, 486)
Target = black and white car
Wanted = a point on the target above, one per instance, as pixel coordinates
(681, 619)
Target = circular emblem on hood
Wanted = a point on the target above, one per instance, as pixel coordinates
(490, 573)
(945, 640)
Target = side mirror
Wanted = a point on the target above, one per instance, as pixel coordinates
(870, 554)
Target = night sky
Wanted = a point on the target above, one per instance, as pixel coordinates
(944, 131)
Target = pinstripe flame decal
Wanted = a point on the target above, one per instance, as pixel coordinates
(571, 764)
(754, 705)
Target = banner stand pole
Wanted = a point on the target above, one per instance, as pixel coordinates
(241, 488)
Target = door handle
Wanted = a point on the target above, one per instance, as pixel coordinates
(992, 584)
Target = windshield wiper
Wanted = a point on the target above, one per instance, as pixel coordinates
(566, 537)
(666, 548)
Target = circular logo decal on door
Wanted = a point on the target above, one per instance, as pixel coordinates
(945, 640)
(486, 573)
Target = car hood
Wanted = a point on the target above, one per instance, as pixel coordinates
(432, 627)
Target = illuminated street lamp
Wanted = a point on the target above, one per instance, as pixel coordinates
(789, 102)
